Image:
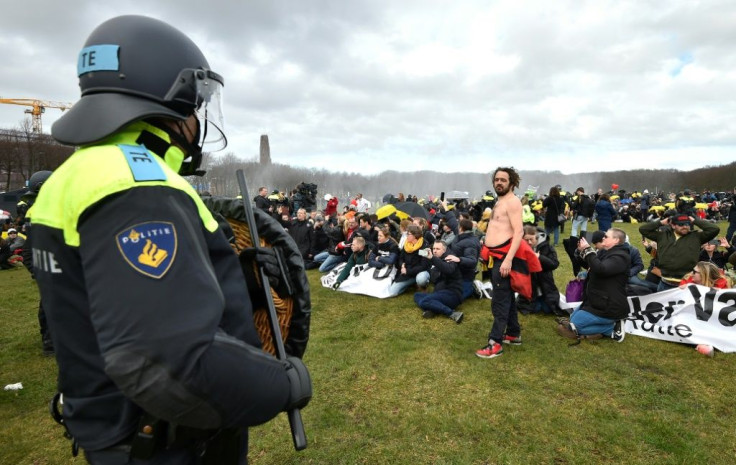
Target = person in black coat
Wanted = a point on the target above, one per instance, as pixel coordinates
(301, 231)
(412, 267)
(604, 301)
(320, 241)
(387, 250)
(464, 251)
(261, 200)
(545, 296)
(320, 244)
(710, 252)
(366, 230)
(448, 286)
(554, 206)
(448, 215)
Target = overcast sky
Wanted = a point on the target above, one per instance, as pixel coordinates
(371, 85)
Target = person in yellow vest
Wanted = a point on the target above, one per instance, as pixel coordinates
(159, 360)
(527, 215)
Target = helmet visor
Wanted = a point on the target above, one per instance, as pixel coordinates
(209, 112)
(201, 90)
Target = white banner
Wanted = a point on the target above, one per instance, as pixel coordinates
(693, 315)
(363, 280)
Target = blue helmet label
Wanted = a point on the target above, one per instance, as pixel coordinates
(150, 248)
(142, 163)
(98, 58)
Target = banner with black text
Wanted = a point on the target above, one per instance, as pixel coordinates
(693, 315)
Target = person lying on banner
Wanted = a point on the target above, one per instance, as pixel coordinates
(706, 274)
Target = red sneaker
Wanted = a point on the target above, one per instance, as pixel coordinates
(490, 351)
(514, 341)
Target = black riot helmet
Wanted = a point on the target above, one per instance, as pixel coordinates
(37, 179)
(133, 68)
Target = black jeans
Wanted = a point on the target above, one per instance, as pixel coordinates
(503, 306)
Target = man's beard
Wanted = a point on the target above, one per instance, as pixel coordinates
(501, 191)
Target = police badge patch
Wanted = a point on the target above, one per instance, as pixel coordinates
(149, 247)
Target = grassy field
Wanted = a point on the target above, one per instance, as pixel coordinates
(391, 387)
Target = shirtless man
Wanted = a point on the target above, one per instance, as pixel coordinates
(503, 237)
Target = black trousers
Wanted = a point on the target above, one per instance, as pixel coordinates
(121, 456)
(229, 448)
(503, 306)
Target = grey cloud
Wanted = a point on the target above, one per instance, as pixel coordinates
(345, 105)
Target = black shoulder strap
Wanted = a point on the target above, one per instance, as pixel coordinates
(153, 143)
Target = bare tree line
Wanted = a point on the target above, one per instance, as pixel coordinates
(220, 180)
(23, 152)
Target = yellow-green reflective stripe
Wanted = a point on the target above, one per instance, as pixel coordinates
(63, 199)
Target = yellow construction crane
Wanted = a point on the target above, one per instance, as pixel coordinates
(38, 107)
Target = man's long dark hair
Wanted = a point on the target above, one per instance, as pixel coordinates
(514, 178)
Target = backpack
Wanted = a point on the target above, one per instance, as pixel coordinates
(587, 207)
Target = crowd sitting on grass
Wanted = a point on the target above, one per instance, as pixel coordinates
(682, 243)
(700, 258)
(327, 240)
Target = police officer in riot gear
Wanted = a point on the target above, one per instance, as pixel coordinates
(158, 358)
(26, 202)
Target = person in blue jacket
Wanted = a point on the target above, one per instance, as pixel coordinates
(605, 213)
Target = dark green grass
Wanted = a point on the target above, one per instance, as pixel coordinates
(391, 387)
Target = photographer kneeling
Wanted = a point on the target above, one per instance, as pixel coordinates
(448, 286)
(604, 300)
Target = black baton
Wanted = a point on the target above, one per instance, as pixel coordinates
(295, 415)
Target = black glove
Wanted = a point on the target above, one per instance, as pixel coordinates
(293, 283)
(301, 383)
(268, 259)
(263, 257)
